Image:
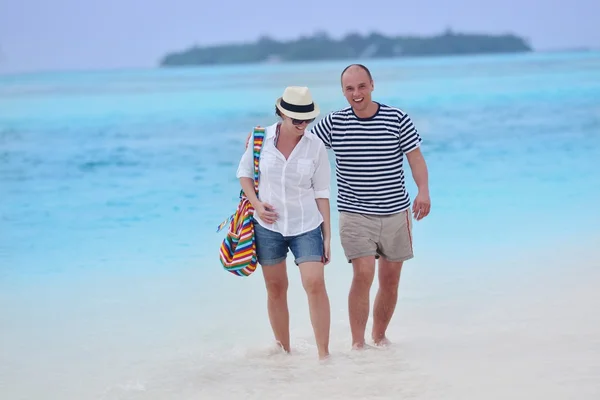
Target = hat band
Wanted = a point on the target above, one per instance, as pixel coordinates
(296, 108)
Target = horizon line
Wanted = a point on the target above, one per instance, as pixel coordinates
(58, 70)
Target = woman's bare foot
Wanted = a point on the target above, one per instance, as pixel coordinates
(277, 348)
(361, 346)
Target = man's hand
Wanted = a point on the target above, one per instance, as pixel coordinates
(249, 136)
(421, 206)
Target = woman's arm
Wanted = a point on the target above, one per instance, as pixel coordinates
(245, 174)
(322, 187)
(325, 210)
(265, 211)
(247, 185)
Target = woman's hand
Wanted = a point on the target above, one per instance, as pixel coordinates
(266, 212)
(327, 250)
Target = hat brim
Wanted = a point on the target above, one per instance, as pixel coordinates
(297, 115)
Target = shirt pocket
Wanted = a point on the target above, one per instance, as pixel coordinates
(305, 166)
(267, 163)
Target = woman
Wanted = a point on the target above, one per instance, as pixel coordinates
(292, 212)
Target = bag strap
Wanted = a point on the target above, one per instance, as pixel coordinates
(258, 140)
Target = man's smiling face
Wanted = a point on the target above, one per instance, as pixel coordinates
(357, 87)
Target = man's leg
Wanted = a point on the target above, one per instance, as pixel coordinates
(386, 298)
(396, 247)
(358, 299)
(359, 234)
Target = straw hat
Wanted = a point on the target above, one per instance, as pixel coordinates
(297, 103)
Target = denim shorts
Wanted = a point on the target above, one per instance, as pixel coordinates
(272, 247)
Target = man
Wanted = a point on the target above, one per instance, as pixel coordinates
(369, 141)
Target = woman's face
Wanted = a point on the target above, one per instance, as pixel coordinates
(296, 125)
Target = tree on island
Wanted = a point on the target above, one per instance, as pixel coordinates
(321, 46)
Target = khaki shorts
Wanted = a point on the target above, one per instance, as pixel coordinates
(389, 236)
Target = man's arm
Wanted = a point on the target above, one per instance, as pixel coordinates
(410, 142)
(323, 130)
(418, 167)
(249, 136)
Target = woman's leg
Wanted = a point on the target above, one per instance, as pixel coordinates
(271, 249)
(276, 281)
(313, 280)
(308, 251)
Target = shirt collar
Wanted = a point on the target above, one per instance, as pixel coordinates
(270, 131)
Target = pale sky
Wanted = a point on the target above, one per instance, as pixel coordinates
(83, 34)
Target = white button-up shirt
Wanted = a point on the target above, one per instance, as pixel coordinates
(290, 186)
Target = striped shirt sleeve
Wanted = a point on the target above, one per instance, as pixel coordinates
(323, 130)
(409, 136)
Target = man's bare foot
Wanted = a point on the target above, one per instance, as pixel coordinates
(324, 357)
(383, 342)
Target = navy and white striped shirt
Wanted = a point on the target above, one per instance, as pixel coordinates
(369, 154)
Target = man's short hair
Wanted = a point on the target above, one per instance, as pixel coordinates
(359, 66)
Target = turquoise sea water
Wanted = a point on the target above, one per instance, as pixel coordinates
(112, 184)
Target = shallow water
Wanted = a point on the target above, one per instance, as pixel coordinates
(113, 183)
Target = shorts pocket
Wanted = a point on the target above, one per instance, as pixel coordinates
(348, 222)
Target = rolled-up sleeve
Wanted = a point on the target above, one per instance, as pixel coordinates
(322, 177)
(246, 165)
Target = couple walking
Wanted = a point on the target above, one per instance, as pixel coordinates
(369, 140)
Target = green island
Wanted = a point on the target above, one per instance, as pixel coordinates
(321, 46)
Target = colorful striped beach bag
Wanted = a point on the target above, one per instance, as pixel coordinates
(238, 250)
